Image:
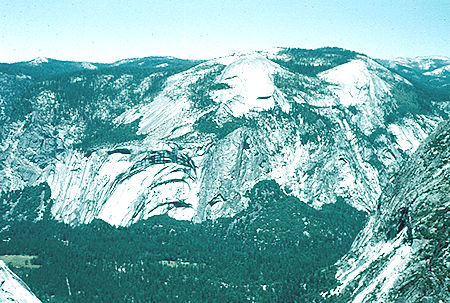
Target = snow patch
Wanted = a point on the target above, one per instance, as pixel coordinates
(162, 65)
(87, 65)
(38, 61)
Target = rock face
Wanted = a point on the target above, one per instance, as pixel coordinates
(122, 144)
(403, 253)
(13, 289)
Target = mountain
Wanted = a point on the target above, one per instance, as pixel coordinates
(402, 254)
(191, 139)
(242, 178)
(434, 71)
(46, 68)
(12, 288)
(431, 75)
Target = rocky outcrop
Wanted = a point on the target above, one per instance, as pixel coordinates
(13, 289)
(403, 253)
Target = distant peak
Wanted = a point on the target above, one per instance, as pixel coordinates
(420, 58)
(431, 58)
(38, 60)
(124, 61)
(87, 65)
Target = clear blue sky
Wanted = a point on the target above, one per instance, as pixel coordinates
(108, 30)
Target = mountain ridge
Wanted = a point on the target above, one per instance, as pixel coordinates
(217, 114)
(259, 156)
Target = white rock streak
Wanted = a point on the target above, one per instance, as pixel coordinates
(13, 289)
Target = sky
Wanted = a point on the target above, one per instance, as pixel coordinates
(109, 30)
